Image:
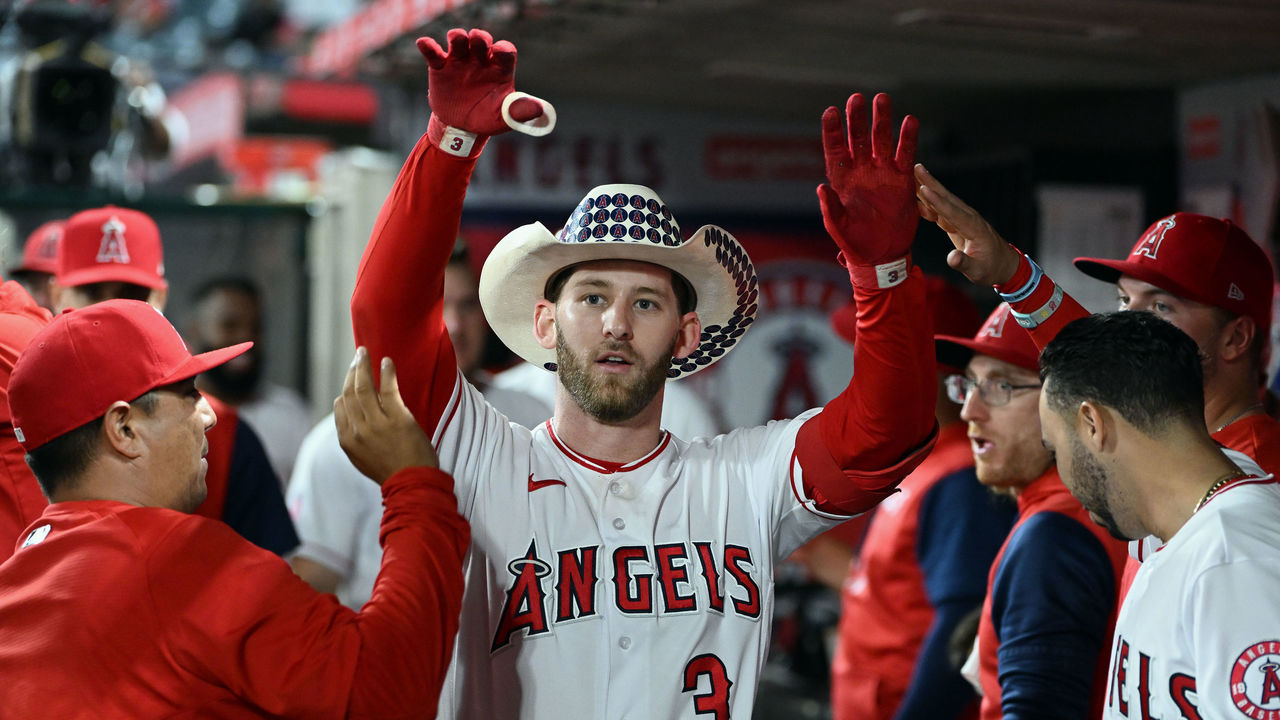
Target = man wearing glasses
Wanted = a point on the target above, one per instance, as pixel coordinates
(1043, 636)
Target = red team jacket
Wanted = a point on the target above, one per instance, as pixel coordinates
(886, 610)
(1049, 596)
(113, 610)
(20, 498)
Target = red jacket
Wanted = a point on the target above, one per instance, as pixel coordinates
(113, 610)
(20, 498)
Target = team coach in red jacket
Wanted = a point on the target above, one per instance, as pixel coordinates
(119, 603)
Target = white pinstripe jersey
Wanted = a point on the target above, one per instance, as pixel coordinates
(644, 592)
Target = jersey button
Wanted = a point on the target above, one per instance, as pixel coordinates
(615, 487)
(619, 524)
(624, 642)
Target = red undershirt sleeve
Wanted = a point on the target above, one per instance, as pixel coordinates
(860, 446)
(397, 304)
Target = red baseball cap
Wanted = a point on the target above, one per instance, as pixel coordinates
(1000, 336)
(40, 253)
(1199, 258)
(952, 311)
(85, 360)
(111, 244)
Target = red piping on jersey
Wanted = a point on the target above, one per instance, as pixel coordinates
(452, 409)
(603, 466)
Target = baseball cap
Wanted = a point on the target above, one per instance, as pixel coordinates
(85, 360)
(1000, 336)
(951, 309)
(111, 244)
(40, 253)
(1199, 258)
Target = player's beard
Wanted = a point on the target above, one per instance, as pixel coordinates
(1090, 483)
(610, 398)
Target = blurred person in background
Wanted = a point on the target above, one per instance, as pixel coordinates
(21, 501)
(923, 563)
(226, 311)
(335, 509)
(116, 253)
(39, 262)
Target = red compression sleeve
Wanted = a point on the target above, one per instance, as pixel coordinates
(397, 304)
(881, 426)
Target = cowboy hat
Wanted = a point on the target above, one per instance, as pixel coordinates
(621, 222)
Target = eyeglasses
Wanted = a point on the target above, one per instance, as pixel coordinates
(993, 392)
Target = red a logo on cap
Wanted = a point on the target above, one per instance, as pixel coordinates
(112, 248)
(995, 325)
(49, 244)
(1149, 245)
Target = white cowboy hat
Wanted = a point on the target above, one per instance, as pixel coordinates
(621, 222)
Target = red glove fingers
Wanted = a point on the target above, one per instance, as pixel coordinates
(868, 205)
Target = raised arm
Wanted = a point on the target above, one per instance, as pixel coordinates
(864, 441)
(980, 254)
(396, 307)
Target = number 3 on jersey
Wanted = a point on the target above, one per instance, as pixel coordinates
(716, 701)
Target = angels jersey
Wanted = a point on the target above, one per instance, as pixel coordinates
(1199, 632)
(656, 574)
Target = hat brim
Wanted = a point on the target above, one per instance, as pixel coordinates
(515, 275)
(112, 273)
(1110, 271)
(49, 267)
(956, 352)
(197, 364)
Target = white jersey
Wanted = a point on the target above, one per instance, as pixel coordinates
(634, 591)
(1142, 549)
(337, 511)
(1198, 635)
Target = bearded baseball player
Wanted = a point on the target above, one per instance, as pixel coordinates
(617, 571)
(1198, 635)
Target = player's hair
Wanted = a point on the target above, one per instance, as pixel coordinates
(95, 293)
(686, 297)
(227, 283)
(59, 463)
(1144, 367)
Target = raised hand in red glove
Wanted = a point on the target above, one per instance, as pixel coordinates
(467, 88)
(869, 202)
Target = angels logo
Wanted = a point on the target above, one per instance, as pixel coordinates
(49, 244)
(1149, 245)
(791, 356)
(1255, 684)
(112, 247)
(994, 326)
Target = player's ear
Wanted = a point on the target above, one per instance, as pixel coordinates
(1094, 425)
(1237, 337)
(688, 335)
(118, 432)
(544, 324)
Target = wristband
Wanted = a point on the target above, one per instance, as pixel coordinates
(454, 141)
(1028, 288)
(884, 275)
(1037, 317)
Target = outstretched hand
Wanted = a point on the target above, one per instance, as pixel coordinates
(868, 203)
(468, 83)
(375, 429)
(980, 253)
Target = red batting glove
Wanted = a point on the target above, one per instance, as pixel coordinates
(466, 87)
(869, 202)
